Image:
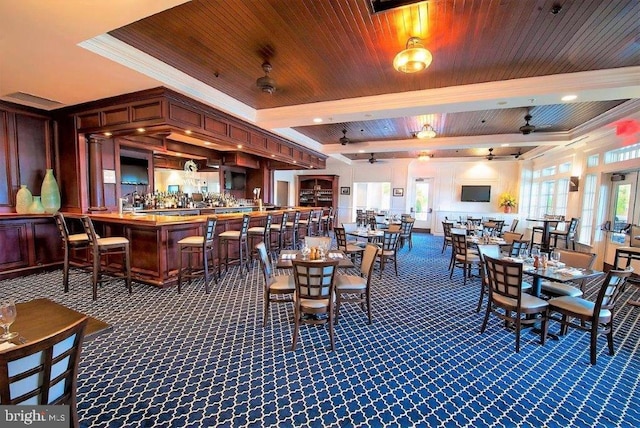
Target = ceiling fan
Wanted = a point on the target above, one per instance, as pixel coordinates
(266, 83)
(492, 156)
(527, 129)
(344, 140)
(371, 159)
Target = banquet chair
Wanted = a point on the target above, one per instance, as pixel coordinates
(351, 250)
(201, 246)
(45, 371)
(596, 317)
(241, 238)
(107, 247)
(573, 259)
(462, 257)
(388, 250)
(357, 288)
(70, 242)
(277, 289)
(567, 235)
(508, 302)
(514, 225)
(314, 295)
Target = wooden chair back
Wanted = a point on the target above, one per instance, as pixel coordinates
(509, 237)
(44, 371)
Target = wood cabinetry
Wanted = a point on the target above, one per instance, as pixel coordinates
(318, 190)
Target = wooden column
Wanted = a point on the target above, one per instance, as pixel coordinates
(96, 181)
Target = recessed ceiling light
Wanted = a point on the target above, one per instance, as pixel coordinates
(360, 151)
(207, 143)
(108, 134)
(569, 97)
(501, 103)
(140, 129)
(295, 161)
(188, 132)
(317, 120)
(504, 145)
(239, 146)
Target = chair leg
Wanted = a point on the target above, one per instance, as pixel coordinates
(518, 328)
(267, 299)
(610, 340)
(205, 267)
(127, 262)
(486, 318)
(296, 327)
(179, 270)
(481, 299)
(65, 270)
(594, 342)
(331, 338)
(395, 263)
(96, 273)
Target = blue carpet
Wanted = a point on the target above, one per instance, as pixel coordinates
(205, 360)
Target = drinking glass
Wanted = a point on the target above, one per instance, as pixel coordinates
(555, 256)
(524, 253)
(305, 251)
(7, 317)
(535, 252)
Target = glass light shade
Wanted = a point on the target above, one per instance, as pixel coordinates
(412, 59)
(426, 132)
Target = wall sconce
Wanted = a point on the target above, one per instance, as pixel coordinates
(574, 184)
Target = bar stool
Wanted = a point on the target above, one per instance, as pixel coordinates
(327, 222)
(314, 223)
(239, 236)
(279, 230)
(292, 232)
(110, 246)
(303, 225)
(76, 241)
(262, 233)
(201, 246)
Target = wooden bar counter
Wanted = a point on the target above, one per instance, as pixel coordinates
(154, 238)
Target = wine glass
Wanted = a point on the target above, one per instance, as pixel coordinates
(7, 317)
(555, 256)
(535, 251)
(524, 252)
(305, 252)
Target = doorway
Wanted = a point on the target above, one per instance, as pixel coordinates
(423, 203)
(625, 204)
(282, 193)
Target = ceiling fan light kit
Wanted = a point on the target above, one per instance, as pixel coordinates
(344, 140)
(266, 83)
(427, 131)
(527, 129)
(413, 58)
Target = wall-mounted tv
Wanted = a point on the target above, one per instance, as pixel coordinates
(134, 171)
(476, 194)
(235, 180)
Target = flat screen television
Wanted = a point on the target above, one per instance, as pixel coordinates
(476, 194)
(134, 171)
(235, 180)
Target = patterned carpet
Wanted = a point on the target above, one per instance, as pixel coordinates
(205, 360)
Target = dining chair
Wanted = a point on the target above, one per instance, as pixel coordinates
(597, 316)
(348, 228)
(540, 229)
(314, 295)
(357, 288)
(406, 231)
(509, 237)
(446, 227)
(567, 235)
(514, 225)
(45, 371)
(388, 250)
(462, 257)
(70, 242)
(491, 250)
(517, 246)
(508, 302)
(107, 247)
(276, 289)
(573, 259)
(352, 250)
(201, 246)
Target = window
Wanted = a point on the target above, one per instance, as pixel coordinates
(371, 195)
(565, 167)
(545, 202)
(588, 209)
(549, 171)
(623, 154)
(593, 160)
(563, 196)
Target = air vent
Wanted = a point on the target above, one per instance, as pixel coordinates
(32, 100)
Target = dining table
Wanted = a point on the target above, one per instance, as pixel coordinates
(368, 234)
(39, 318)
(286, 256)
(546, 231)
(557, 273)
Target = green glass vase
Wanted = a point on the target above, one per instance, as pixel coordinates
(50, 193)
(36, 206)
(24, 199)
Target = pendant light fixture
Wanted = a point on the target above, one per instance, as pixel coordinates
(427, 131)
(413, 58)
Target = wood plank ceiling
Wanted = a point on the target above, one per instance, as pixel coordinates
(333, 50)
